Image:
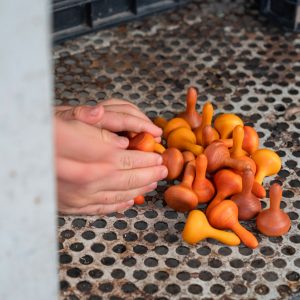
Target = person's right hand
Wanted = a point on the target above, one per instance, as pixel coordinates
(96, 174)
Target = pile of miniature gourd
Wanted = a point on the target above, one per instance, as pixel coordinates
(223, 166)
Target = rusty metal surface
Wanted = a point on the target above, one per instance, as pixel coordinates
(242, 64)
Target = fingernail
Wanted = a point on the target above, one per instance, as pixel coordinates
(164, 172)
(130, 202)
(153, 185)
(123, 141)
(94, 110)
(159, 160)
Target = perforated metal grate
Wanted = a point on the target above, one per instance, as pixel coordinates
(243, 65)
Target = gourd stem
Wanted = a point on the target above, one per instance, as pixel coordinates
(275, 197)
(246, 236)
(189, 175)
(259, 177)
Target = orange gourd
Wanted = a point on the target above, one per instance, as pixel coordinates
(174, 124)
(174, 161)
(207, 114)
(227, 183)
(267, 163)
(225, 216)
(238, 136)
(188, 156)
(145, 142)
(218, 157)
(209, 135)
(225, 123)
(160, 122)
(273, 221)
(181, 197)
(139, 200)
(184, 139)
(197, 229)
(251, 140)
(202, 186)
(248, 204)
(190, 114)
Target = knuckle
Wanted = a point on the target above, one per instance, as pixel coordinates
(118, 198)
(131, 181)
(126, 162)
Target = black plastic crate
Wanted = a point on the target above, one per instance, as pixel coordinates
(284, 12)
(75, 17)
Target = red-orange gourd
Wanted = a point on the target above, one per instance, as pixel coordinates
(227, 183)
(207, 114)
(273, 221)
(251, 140)
(174, 161)
(225, 123)
(145, 142)
(202, 186)
(181, 197)
(225, 216)
(139, 200)
(218, 157)
(197, 229)
(188, 156)
(209, 135)
(174, 124)
(184, 139)
(267, 163)
(248, 204)
(190, 114)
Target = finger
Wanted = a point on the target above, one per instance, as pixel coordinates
(98, 209)
(115, 101)
(82, 173)
(83, 141)
(134, 159)
(111, 197)
(87, 114)
(128, 109)
(116, 121)
(131, 179)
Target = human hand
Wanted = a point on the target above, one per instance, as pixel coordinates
(114, 115)
(96, 174)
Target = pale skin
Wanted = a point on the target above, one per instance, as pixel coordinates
(96, 174)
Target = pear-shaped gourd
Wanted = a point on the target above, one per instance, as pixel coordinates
(197, 229)
(225, 216)
(225, 123)
(273, 221)
(238, 136)
(251, 140)
(174, 124)
(248, 204)
(145, 142)
(209, 135)
(184, 139)
(173, 160)
(218, 157)
(181, 197)
(227, 183)
(207, 114)
(190, 114)
(268, 163)
(202, 186)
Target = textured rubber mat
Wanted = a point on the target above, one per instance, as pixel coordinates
(242, 64)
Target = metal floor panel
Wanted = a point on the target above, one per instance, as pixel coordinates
(243, 65)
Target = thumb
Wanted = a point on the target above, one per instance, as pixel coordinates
(86, 114)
